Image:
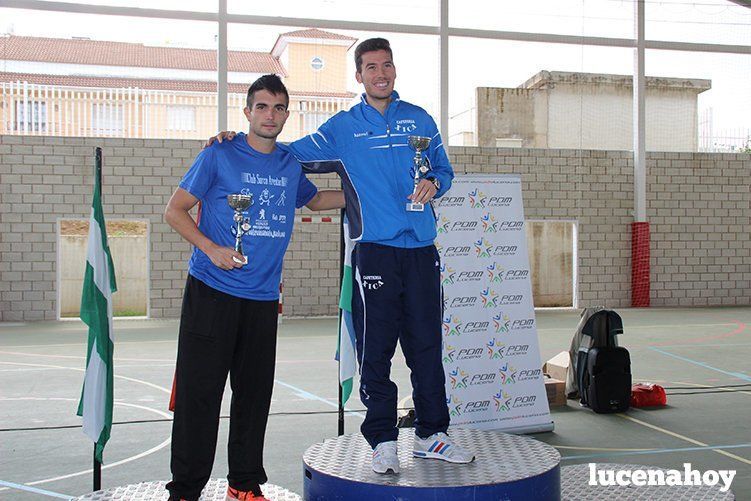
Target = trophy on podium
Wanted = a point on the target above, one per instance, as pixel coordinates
(421, 167)
(240, 203)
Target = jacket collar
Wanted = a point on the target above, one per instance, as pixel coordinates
(373, 114)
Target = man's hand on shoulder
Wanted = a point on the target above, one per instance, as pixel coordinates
(228, 135)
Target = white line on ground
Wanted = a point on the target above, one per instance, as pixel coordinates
(34, 490)
(683, 437)
(109, 465)
(140, 381)
(310, 396)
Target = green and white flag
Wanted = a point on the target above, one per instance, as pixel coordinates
(346, 350)
(96, 311)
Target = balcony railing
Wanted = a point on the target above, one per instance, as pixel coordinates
(48, 110)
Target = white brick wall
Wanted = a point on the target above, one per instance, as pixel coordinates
(698, 209)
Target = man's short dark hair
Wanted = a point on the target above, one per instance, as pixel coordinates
(271, 83)
(371, 45)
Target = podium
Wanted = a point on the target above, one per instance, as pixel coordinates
(505, 467)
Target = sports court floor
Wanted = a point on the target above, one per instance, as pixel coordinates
(702, 354)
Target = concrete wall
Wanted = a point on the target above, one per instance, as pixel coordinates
(698, 206)
(511, 113)
(588, 116)
(130, 258)
(550, 247)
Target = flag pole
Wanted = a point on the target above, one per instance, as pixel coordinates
(97, 472)
(95, 406)
(339, 362)
(98, 165)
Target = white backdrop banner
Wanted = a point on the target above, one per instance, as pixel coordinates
(490, 350)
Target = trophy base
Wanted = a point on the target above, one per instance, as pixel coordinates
(244, 260)
(415, 207)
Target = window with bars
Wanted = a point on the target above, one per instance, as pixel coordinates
(107, 119)
(314, 114)
(181, 118)
(30, 116)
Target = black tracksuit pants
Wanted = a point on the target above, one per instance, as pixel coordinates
(397, 296)
(221, 334)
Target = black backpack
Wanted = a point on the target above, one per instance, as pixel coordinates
(605, 367)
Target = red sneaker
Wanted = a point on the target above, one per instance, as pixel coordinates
(236, 495)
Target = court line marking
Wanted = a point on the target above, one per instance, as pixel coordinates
(617, 450)
(170, 360)
(126, 378)
(601, 449)
(695, 385)
(740, 327)
(83, 343)
(310, 396)
(684, 438)
(105, 466)
(715, 448)
(703, 344)
(21, 487)
(738, 375)
(656, 326)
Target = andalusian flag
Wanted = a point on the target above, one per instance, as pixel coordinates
(346, 349)
(96, 312)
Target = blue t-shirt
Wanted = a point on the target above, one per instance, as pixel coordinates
(278, 187)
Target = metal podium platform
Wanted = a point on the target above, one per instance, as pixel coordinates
(506, 467)
(575, 486)
(215, 490)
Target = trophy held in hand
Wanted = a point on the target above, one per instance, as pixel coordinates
(421, 167)
(240, 203)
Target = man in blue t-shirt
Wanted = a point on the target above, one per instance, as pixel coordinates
(231, 301)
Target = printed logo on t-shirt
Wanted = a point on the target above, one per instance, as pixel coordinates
(265, 198)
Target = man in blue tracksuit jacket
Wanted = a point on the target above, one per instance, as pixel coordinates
(396, 267)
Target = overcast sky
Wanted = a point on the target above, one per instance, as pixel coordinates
(473, 63)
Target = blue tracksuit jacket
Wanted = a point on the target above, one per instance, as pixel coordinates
(370, 153)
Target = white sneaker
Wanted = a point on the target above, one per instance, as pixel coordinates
(440, 446)
(385, 458)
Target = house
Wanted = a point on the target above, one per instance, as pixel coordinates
(555, 109)
(83, 87)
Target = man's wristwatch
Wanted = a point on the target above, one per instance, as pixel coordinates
(435, 182)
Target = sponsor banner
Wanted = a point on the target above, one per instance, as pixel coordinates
(490, 350)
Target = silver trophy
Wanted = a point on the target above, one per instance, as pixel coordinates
(419, 144)
(240, 203)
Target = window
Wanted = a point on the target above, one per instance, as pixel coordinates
(31, 116)
(181, 118)
(312, 121)
(316, 63)
(314, 114)
(107, 119)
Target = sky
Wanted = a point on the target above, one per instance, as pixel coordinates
(473, 62)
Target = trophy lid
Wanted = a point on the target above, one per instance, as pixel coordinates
(239, 202)
(418, 143)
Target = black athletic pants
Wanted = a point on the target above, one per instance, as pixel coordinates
(397, 297)
(221, 334)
